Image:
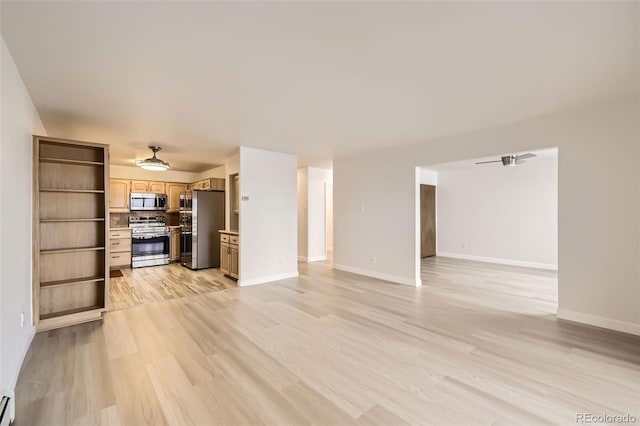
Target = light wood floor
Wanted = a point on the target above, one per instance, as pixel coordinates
(141, 286)
(477, 344)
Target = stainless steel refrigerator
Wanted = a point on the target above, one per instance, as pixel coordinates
(201, 217)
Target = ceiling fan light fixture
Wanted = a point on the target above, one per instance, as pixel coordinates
(510, 160)
(154, 163)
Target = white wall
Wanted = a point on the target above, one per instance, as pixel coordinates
(598, 205)
(500, 214)
(303, 215)
(219, 172)
(19, 121)
(268, 220)
(428, 177)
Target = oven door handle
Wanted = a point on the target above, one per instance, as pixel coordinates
(143, 237)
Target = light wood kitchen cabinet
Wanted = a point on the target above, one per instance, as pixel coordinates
(157, 187)
(119, 248)
(118, 195)
(217, 184)
(225, 259)
(229, 255)
(70, 221)
(209, 184)
(173, 191)
(148, 186)
(202, 184)
(174, 245)
(139, 185)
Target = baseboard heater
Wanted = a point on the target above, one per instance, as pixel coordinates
(5, 415)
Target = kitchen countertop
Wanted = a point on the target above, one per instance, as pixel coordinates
(119, 228)
(174, 227)
(224, 231)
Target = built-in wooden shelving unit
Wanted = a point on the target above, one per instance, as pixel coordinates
(71, 277)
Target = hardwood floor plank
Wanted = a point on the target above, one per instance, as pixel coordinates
(476, 344)
(180, 402)
(141, 286)
(137, 400)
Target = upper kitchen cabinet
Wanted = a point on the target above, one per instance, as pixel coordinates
(173, 191)
(148, 186)
(119, 196)
(209, 184)
(217, 184)
(157, 187)
(70, 187)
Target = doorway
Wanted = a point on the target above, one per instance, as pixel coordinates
(328, 194)
(496, 214)
(427, 221)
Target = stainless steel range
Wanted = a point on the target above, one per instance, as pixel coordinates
(149, 241)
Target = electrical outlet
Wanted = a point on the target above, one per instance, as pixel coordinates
(361, 208)
(245, 198)
(373, 259)
(463, 246)
(21, 319)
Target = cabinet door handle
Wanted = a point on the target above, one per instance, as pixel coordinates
(115, 257)
(115, 236)
(117, 243)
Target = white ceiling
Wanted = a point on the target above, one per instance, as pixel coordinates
(321, 79)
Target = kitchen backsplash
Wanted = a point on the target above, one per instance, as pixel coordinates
(117, 220)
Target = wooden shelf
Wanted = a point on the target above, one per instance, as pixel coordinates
(71, 250)
(78, 191)
(50, 284)
(69, 161)
(70, 232)
(83, 219)
(71, 311)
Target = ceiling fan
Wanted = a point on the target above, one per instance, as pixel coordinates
(510, 160)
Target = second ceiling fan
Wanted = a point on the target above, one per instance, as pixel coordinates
(510, 160)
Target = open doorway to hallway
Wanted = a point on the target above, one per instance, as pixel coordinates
(328, 203)
(315, 214)
(496, 210)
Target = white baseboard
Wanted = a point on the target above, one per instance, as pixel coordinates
(262, 280)
(379, 275)
(536, 265)
(611, 324)
(14, 380)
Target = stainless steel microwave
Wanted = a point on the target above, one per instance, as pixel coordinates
(143, 201)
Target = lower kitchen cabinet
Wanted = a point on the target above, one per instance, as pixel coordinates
(229, 255)
(119, 248)
(174, 245)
